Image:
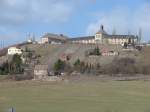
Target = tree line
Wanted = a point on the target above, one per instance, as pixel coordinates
(125, 66)
(15, 66)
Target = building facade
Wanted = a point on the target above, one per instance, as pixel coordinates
(14, 50)
(53, 39)
(101, 37)
(41, 72)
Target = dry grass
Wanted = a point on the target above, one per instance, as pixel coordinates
(51, 53)
(95, 96)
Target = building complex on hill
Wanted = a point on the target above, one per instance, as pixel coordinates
(101, 37)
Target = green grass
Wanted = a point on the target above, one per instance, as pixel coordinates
(111, 96)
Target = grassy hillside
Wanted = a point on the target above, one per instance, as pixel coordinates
(51, 53)
(145, 55)
(80, 97)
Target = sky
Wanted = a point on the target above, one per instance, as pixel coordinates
(73, 18)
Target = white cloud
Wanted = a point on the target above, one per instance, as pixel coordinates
(18, 12)
(123, 20)
(51, 11)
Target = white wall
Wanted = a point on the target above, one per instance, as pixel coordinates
(14, 50)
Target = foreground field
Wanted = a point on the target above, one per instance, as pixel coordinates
(109, 96)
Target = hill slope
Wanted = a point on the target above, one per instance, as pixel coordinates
(51, 53)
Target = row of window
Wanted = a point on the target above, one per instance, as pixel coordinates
(10, 50)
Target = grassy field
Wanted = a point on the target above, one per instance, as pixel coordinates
(110, 96)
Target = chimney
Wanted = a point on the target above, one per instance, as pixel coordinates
(102, 28)
(61, 35)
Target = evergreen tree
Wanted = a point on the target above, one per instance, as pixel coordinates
(77, 65)
(125, 45)
(97, 51)
(59, 65)
(16, 65)
(77, 62)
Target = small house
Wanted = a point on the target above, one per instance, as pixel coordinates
(110, 53)
(41, 72)
(14, 50)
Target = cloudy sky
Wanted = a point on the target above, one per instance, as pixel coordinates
(72, 17)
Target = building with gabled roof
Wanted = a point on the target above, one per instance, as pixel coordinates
(102, 37)
(53, 38)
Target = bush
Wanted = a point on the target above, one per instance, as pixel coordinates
(77, 62)
(59, 65)
(95, 51)
(121, 66)
(16, 65)
(62, 66)
(144, 69)
(79, 66)
(4, 69)
(87, 68)
(125, 45)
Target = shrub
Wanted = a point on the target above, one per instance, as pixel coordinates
(95, 51)
(77, 62)
(59, 65)
(125, 45)
(4, 69)
(144, 69)
(121, 66)
(16, 65)
(80, 66)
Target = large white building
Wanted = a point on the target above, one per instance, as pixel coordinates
(14, 50)
(101, 37)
